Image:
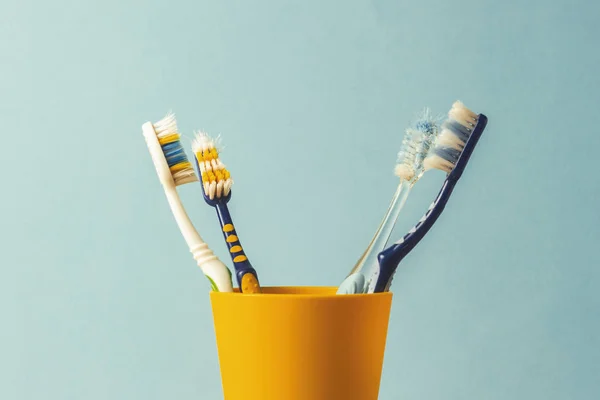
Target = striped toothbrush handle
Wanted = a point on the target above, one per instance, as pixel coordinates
(245, 274)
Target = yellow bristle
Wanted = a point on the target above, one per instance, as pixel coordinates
(180, 166)
(201, 156)
(170, 138)
(207, 155)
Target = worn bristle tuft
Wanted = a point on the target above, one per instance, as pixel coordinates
(428, 127)
(415, 146)
(216, 179)
(406, 156)
(462, 115)
(169, 140)
(455, 132)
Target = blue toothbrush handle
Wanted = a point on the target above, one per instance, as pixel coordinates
(244, 272)
(391, 257)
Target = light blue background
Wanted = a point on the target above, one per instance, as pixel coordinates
(99, 298)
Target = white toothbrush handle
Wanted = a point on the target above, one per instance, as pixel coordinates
(368, 265)
(217, 273)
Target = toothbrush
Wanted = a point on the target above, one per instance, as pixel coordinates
(216, 188)
(451, 152)
(174, 169)
(409, 168)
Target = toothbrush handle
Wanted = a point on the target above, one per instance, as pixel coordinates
(245, 274)
(391, 257)
(367, 264)
(216, 272)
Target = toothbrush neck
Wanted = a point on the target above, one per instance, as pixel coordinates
(397, 251)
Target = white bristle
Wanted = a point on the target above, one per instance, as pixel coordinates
(212, 189)
(436, 162)
(200, 142)
(462, 115)
(449, 139)
(227, 186)
(405, 172)
(404, 168)
(219, 189)
(185, 176)
(166, 126)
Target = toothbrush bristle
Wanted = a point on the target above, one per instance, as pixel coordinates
(428, 126)
(406, 157)
(455, 132)
(169, 140)
(415, 146)
(216, 179)
(462, 115)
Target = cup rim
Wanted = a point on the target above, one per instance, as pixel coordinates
(300, 292)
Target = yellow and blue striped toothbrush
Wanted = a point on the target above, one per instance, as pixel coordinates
(216, 188)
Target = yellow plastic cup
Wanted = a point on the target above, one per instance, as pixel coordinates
(300, 343)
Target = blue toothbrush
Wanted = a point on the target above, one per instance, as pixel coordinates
(216, 189)
(451, 153)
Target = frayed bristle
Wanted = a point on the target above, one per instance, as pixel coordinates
(406, 156)
(449, 139)
(436, 162)
(216, 179)
(415, 146)
(428, 126)
(462, 115)
(455, 132)
(169, 140)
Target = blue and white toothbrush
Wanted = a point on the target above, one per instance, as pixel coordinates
(409, 168)
(453, 148)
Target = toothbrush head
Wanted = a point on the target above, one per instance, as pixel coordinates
(168, 156)
(457, 138)
(415, 146)
(216, 179)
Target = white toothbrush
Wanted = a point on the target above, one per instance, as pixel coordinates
(174, 169)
